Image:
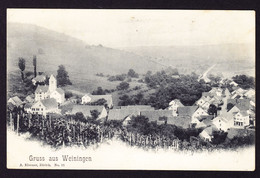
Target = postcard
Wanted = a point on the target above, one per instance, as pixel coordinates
(114, 89)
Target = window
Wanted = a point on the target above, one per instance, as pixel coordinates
(42, 109)
(37, 109)
(33, 109)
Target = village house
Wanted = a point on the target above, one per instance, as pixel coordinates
(205, 106)
(28, 107)
(194, 112)
(233, 83)
(250, 93)
(159, 116)
(16, 101)
(199, 112)
(203, 121)
(86, 110)
(204, 98)
(241, 119)
(87, 98)
(124, 113)
(50, 91)
(207, 133)
(59, 95)
(173, 105)
(29, 99)
(215, 91)
(222, 123)
(41, 92)
(39, 79)
(45, 106)
(238, 92)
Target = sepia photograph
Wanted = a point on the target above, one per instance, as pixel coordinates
(91, 89)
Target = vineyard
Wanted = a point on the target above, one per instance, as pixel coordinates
(61, 131)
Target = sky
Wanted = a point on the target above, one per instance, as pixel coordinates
(129, 28)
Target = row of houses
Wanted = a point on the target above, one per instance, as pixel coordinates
(234, 113)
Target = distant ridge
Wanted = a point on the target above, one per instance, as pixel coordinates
(54, 48)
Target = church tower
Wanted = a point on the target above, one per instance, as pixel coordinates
(52, 84)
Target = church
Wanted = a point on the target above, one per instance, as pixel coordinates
(50, 91)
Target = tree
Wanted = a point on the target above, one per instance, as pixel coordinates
(79, 117)
(139, 124)
(123, 86)
(132, 73)
(94, 114)
(68, 94)
(212, 109)
(99, 91)
(99, 102)
(21, 65)
(34, 65)
(244, 81)
(219, 137)
(62, 76)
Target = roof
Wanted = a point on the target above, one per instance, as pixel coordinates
(60, 91)
(50, 103)
(39, 78)
(221, 118)
(243, 113)
(17, 101)
(177, 101)
(232, 101)
(29, 98)
(67, 107)
(200, 125)
(250, 91)
(180, 121)
(120, 114)
(210, 130)
(243, 104)
(138, 107)
(186, 110)
(28, 105)
(156, 114)
(203, 117)
(206, 94)
(10, 106)
(207, 122)
(85, 109)
(42, 88)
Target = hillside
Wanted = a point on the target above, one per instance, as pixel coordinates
(80, 59)
(231, 59)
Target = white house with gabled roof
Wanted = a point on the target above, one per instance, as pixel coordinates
(42, 107)
(173, 105)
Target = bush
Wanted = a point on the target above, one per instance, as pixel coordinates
(68, 94)
(123, 86)
(132, 73)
